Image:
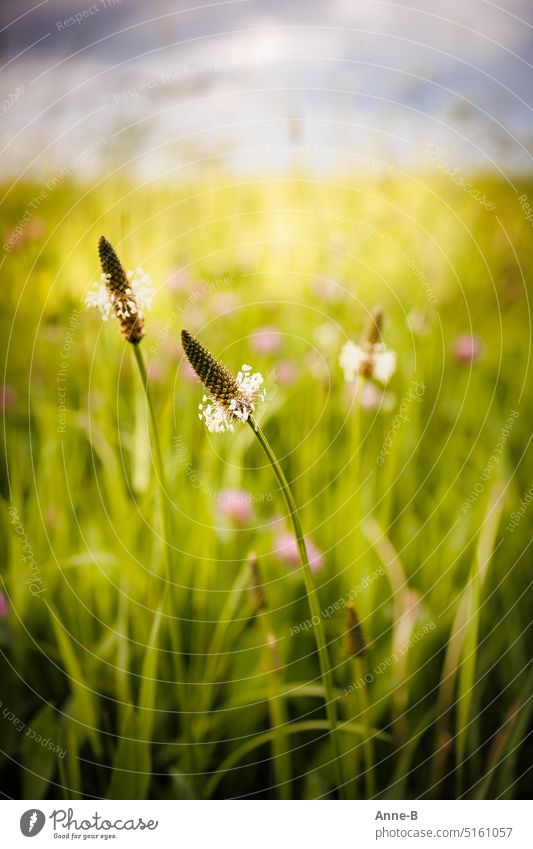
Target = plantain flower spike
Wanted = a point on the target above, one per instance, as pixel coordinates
(126, 294)
(374, 326)
(228, 399)
(371, 358)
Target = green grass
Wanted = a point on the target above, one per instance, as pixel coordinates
(91, 663)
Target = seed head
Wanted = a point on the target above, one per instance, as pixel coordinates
(111, 266)
(215, 377)
(229, 399)
(370, 359)
(372, 334)
(125, 294)
(356, 644)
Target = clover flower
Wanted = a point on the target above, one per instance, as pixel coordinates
(228, 399)
(467, 348)
(235, 505)
(126, 294)
(8, 397)
(4, 607)
(286, 551)
(371, 359)
(266, 340)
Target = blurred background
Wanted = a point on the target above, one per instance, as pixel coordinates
(176, 89)
(278, 169)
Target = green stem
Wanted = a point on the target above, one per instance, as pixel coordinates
(312, 598)
(368, 746)
(278, 715)
(160, 470)
(357, 419)
(166, 525)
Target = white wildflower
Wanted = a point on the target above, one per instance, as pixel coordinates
(375, 361)
(133, 301)
(217, 419)
(141, 284)
(351, 359)
(99, 297)
(384, 363)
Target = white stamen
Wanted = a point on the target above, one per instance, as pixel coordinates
(380, 360)
(140, 290)
(217, 419)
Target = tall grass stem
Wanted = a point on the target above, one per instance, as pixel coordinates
(166, 526)
(368, 746)
(312, 597)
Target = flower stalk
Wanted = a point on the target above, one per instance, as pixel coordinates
(166, 523)
(356, 648)
(160, 469)
(277, 708)
(235, 400)
(121, 292)
(370, 359)
(312, 598)
(127, 295)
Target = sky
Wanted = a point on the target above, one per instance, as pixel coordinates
(162, 89)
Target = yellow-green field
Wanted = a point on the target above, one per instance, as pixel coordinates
(417, 503)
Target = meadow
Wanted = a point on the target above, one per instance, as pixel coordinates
(115, 682)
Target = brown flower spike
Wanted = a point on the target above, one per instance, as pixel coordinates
(372, 334)
(123, 299)
(371, 337)
(370, 359)
(230, 399)
(215, 377)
